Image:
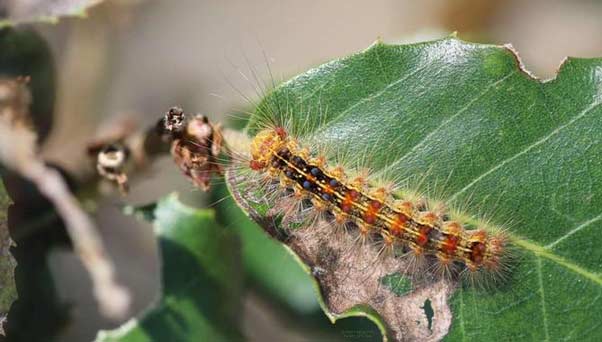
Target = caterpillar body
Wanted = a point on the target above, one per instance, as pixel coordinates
(373, 210)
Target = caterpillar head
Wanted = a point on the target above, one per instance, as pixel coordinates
(265, 144)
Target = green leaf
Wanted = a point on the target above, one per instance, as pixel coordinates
(14, 12)
(37, 232)
(267, 262)
(465, 124)
(201, 279)
(34, 226)
(8, 291)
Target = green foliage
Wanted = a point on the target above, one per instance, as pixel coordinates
(200, 275)
(34, 225)
(8, 292)
(463, 122)
(267, 262)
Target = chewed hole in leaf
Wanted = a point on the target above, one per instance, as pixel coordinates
(429, 313)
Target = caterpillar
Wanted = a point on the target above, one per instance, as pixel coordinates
(365, 242)
(373, 210)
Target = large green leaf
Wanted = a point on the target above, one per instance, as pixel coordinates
(466, 124)
(201, 280)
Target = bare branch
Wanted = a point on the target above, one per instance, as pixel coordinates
(18, 151)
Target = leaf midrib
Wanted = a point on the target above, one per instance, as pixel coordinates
(542, 252)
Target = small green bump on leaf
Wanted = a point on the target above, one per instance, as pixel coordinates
(399, 284)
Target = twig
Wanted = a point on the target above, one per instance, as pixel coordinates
(192, 140)
(18, 151)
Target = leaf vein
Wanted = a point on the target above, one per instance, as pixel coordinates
(543, 300)
(445, 122)
(368, 99)
(575, 230)
(462, 316)
(526, 150)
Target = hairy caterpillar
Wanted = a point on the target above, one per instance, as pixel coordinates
(373, 210)
(364, 242)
